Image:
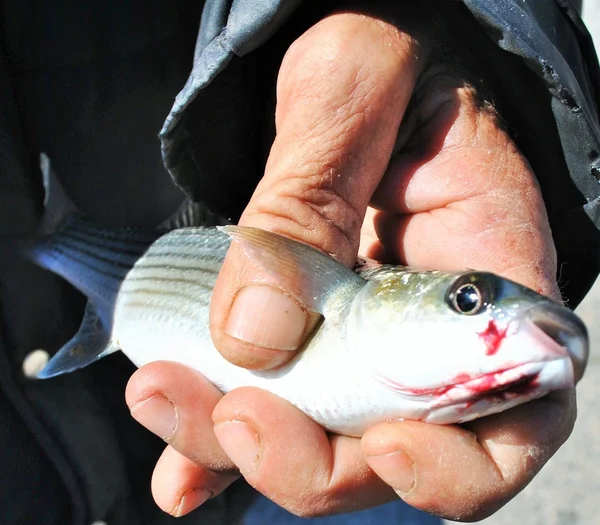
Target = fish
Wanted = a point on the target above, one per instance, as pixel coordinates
(394, 342)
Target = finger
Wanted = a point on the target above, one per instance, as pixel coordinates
(180, 486)
(467, 473)
(291, 460)
(176, 403)
(471, 187)
(342, 90)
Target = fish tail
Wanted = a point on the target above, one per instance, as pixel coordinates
(91, 343)
(94, 259)
(54, 248)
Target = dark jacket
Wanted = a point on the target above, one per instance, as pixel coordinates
(90, 84)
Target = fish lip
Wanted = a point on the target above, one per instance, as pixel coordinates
(457, 392)
(494, 392)
(524, 381)
(565, 328)
(499, 384)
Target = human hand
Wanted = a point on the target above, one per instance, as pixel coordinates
(456, 194)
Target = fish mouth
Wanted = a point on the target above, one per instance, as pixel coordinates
(494, 392)
(565, 329)
(562, 344)
(515, 380)
(500, 386)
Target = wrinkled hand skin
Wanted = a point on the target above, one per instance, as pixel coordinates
(369, 113)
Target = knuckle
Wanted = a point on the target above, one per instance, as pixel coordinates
(309, 209)
(316, 54)
(328, 40)
(355, 49)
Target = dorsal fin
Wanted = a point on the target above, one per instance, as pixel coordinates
(57, 204)
(192, 213)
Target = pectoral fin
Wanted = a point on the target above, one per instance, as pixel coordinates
(318, 279)
(92, 342)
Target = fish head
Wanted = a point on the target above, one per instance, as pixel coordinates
(462, 346)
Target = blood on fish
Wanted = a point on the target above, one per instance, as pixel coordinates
(488, 386)
(488, 389)
(492, 337)
(484, 384)
(463, 377)
(435, 391)
(457, 380)
(438, 391)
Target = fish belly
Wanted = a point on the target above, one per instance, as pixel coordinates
(339, 397)
(162, 313)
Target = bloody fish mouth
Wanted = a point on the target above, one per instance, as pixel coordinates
(517, 380)
(493, 389)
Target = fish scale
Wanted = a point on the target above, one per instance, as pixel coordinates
(394, 342)
(140, 324)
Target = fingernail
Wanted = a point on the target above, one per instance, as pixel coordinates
(158, 415)
(266, 317)
(397, 469)
(191, 500)
(240, 442)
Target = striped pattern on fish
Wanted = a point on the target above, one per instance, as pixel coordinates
(443, 347)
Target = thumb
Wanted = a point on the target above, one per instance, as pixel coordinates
(342, 90)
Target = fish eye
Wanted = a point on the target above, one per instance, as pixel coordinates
(468, 298)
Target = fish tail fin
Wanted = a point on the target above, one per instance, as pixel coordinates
(47, 249)
(91, 343)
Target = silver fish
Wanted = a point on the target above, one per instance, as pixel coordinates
(440, 347)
